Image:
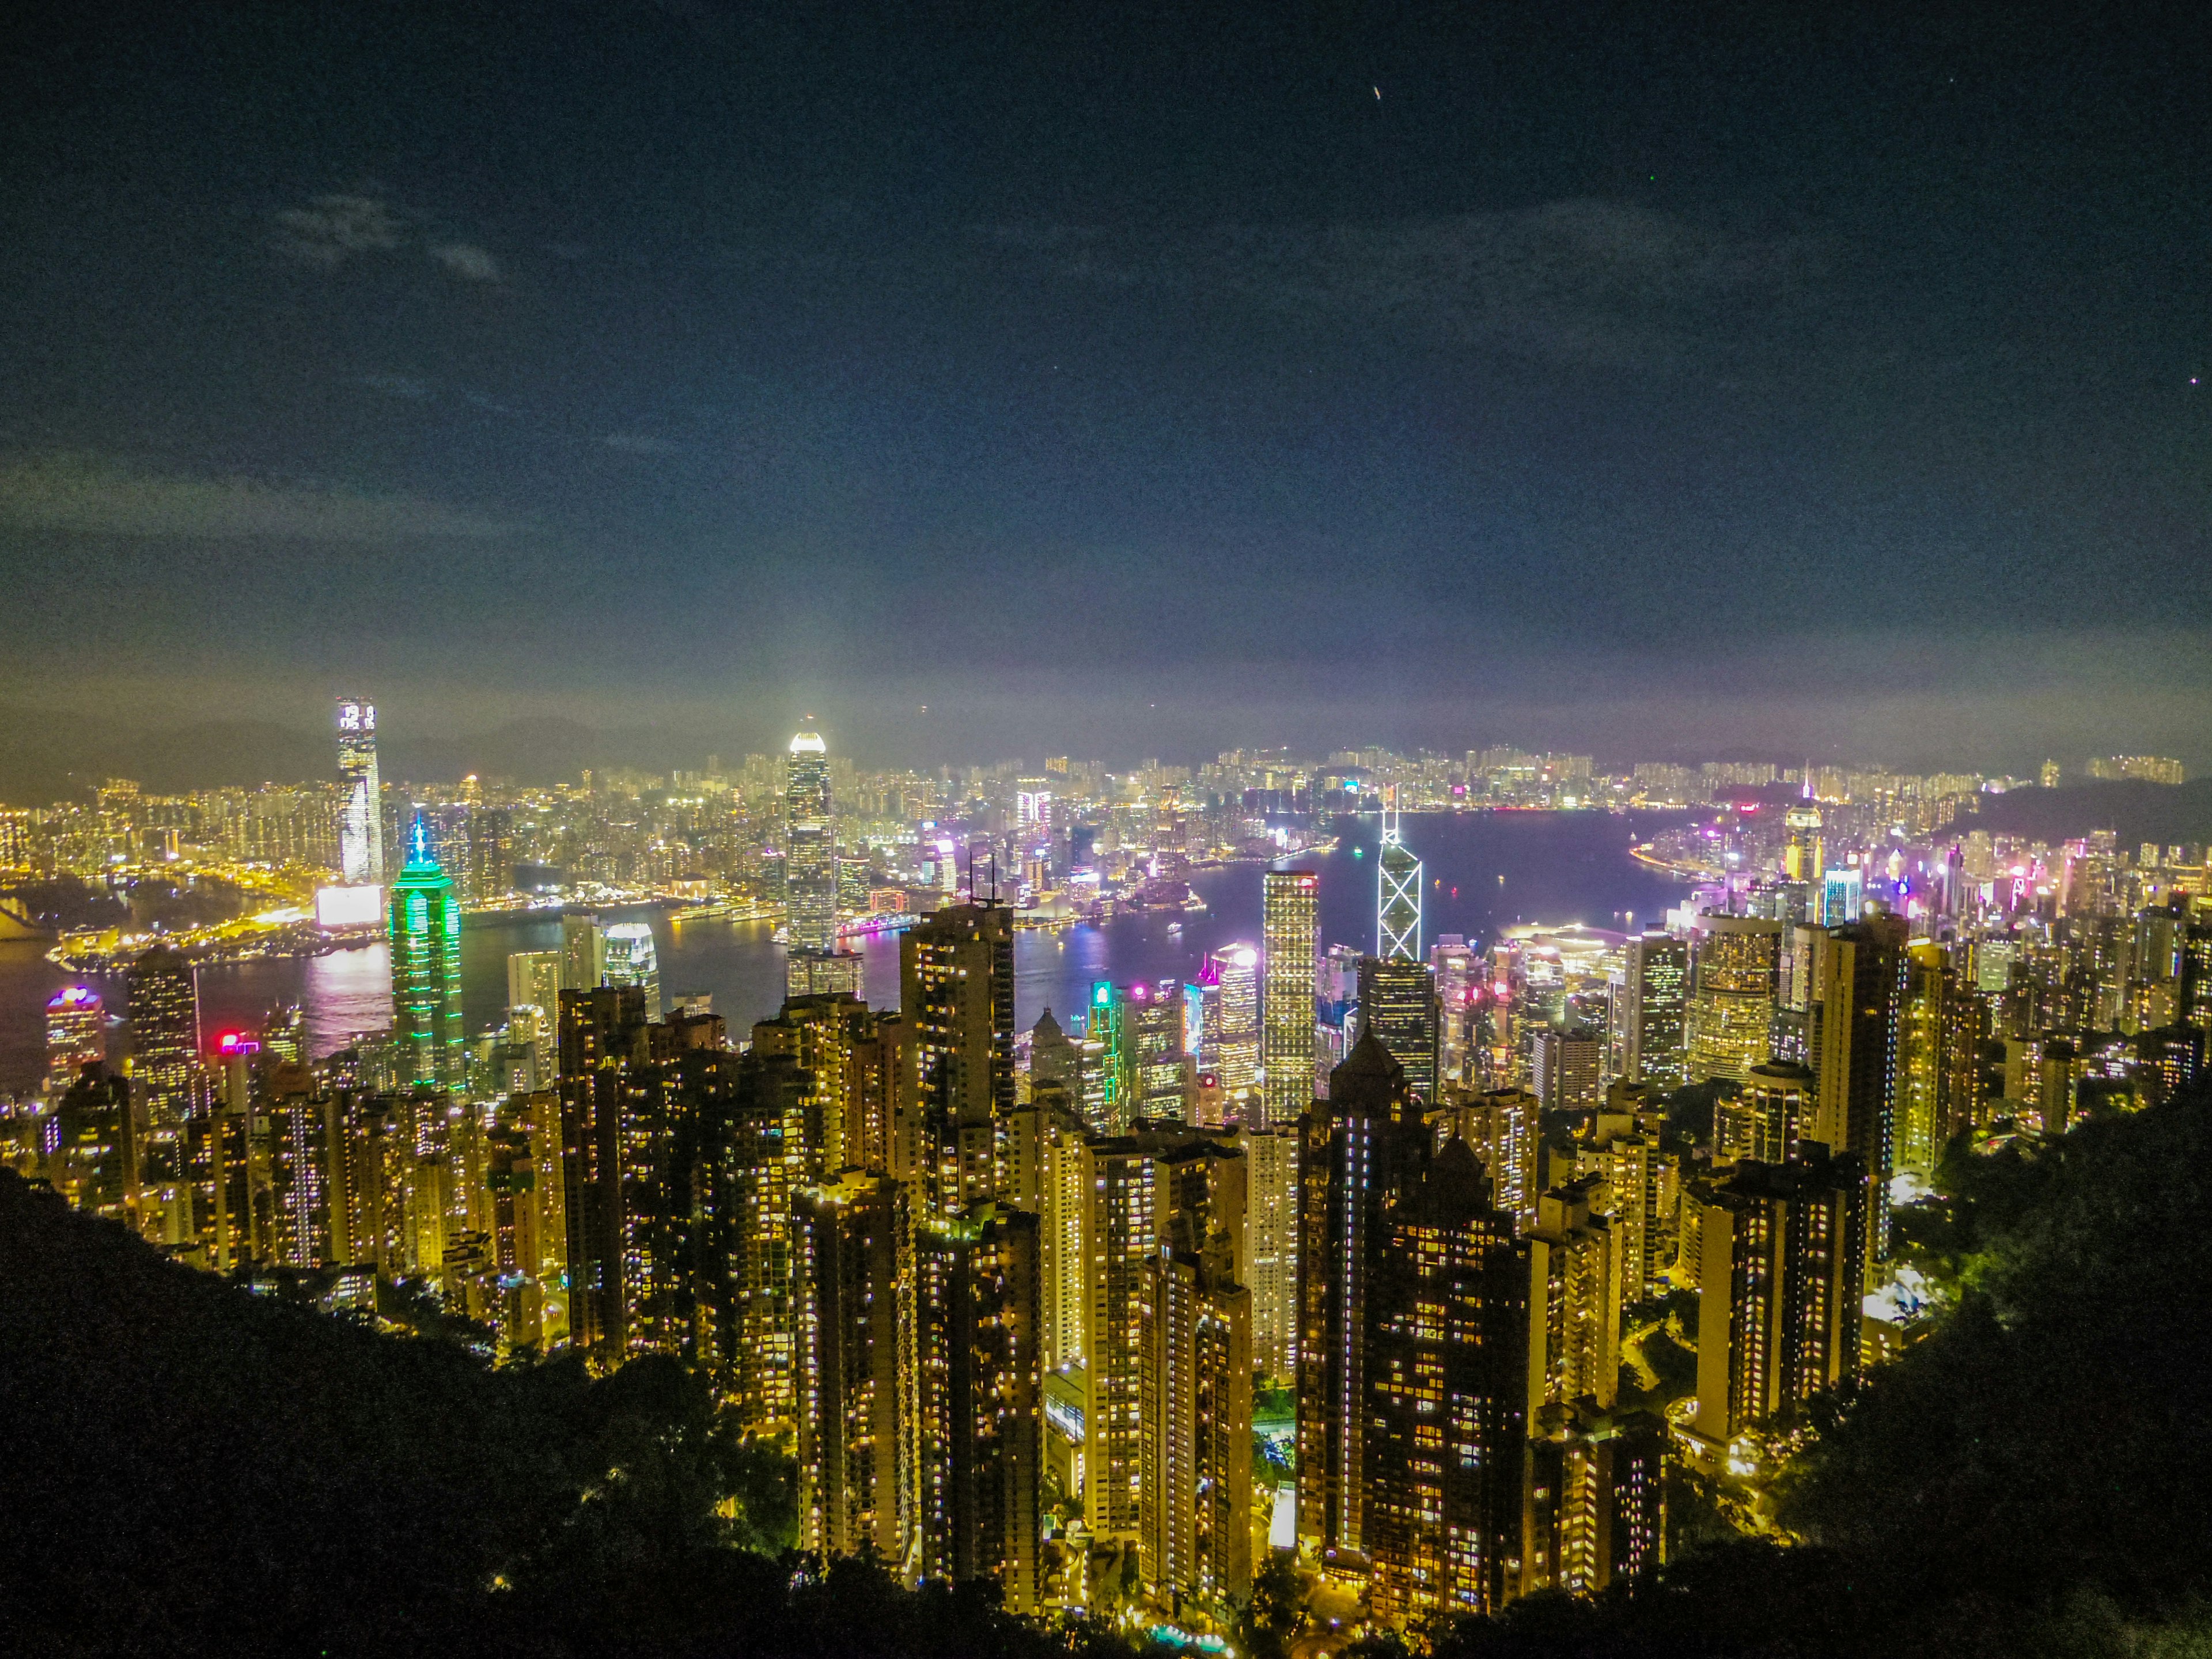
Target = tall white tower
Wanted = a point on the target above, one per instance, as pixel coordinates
(361, 814)
(1398, 891)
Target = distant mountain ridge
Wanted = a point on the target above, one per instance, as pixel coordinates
(46, 757)
(2135, 812)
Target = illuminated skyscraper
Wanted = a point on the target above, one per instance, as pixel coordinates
(1397, 893)
(1194, 1507)
(583, 954)
(1235, 1046)
(361, 811)
(1732, 1006)
(162, 996)
(957, 998)
(632, 960)
(426, 972)
(1862, 978)
(1656, 987)
(1291, 916)
(76, 1035)
(1398, 1004)
(810, 846)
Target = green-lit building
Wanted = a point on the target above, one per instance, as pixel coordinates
(425, 970)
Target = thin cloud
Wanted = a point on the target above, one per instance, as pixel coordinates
(90, 495)
(1590, 282)
(337, 229)
(467, 261)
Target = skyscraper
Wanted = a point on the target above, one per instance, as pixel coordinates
(810, 846)
(1235, 1045)
(1656, 987)
(1732, 1006)
(1397, 892)
(1290, 902)
(1195, 1500)
(76, 1035)
(426, 972)
(632, 960)
(1862, 978)
(360, 810)
(957, 998)
(162, 996)
(1398, 1004)
(1271, 1240)
(583, 953)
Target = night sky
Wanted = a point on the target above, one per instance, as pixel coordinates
(1659, 380)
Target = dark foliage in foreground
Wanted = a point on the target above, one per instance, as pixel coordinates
(185, 1469)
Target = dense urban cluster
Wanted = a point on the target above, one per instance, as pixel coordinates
(1429, 1264)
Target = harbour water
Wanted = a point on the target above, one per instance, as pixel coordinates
(1482, 871)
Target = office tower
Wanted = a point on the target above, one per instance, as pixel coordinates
(1597, 1503)
(1397, 893)
(161, 993)
(1861, 984)
(1398, 1004)
(1563, 1069)
(1920, 1108)
(630, 959)
(76, 1035)
(1235, 1045)
(361, 807)
(1457, 971)
(971, 1403)
(533, 981)
(1576, 1269)
(1271, 1239)
(1290, 903)
(583, 953)
(1357, 1150)
(1445, 1412)
(1656, 987)
(1055, 1057)
(956, 997)
(1504, 1128)
(1782, 1254)
(810, 846)
(1152, 1059)
(1120, 1232)
(1195, 1504)
(845, 1248)
(426, 972)
(1764, 1119)
(1732, 1002)
(1803, 859)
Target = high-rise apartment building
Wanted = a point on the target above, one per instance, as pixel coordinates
(1576, 1262)
(1564, 1068)
(1862, 981)
(361, 805)
(1271, 1240)
(810, 846)
(1763, 1121)
(583, 953)
(1194, 1500)
(1289, 902)
(957, 1100)
(1783, 1248)
(1732, 1002)
(426, 972)
(845, 1252)
(1445, 1417)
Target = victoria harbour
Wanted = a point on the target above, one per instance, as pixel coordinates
(1484, 871)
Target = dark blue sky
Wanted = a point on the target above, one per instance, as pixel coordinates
(1648, 380)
